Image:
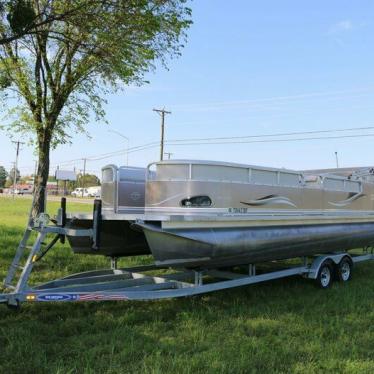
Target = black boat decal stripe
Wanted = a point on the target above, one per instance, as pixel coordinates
(268, 200)
(347, 201)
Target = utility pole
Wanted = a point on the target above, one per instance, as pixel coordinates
(16, 165)
(34, 179)
(84, 173)
(14, 178)
(169, 154)
(58, 167)
(162, 113)
(337, 161)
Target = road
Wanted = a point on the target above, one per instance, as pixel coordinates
(82, 200)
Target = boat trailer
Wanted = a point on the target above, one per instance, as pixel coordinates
(138, 283)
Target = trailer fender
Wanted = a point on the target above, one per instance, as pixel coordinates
(318, 261)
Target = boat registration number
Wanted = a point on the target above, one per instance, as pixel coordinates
(238, 210)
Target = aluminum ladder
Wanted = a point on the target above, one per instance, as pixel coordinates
(23, 246)
(40, 225)
(27, 265)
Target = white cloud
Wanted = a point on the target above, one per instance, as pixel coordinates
(341, 26)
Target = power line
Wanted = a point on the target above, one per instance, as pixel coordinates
(109, 154)
(153, 144)
(277, 99)
(149, 146)
(127, 143)
(228, 142)
(276, 134)
(171, 142)
(224, 140)
(276, 140)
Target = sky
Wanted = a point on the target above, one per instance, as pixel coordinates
(249, 68)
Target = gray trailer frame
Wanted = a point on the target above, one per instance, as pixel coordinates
(137, 283)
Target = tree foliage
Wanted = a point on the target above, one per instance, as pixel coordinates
(88, 180)
(11, 176)
(61, 71)
(20, 18)
(3, 176)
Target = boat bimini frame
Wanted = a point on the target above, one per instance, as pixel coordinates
(137, 283)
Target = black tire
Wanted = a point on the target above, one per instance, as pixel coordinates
(325, 275)
(344, 269)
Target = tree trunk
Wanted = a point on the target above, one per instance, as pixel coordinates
(40, 189)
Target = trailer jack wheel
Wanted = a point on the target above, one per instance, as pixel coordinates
(15, 306)
(344, 270)
(325, 275)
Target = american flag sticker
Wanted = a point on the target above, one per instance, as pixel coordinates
(99, 297)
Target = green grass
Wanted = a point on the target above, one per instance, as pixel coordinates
(284, 326)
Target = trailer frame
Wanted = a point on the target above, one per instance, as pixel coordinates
(136, 283)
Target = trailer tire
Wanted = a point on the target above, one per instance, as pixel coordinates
(325, 275)
(344, 269)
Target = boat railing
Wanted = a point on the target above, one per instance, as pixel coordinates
(213, 172)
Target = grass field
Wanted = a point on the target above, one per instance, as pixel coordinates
(284, 326)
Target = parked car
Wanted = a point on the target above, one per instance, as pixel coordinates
(80, 192)
(94, 191)
(23, 191)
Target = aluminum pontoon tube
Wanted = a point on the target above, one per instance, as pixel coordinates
(215, 247)
(117, 239)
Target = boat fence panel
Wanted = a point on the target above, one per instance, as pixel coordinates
(266, 177)
(131, 174)
(107, 175)
(123, 188)
(333, 184)
(172, 172)
(352, 186)
(219, 173)
(108, 186)
(289, 179)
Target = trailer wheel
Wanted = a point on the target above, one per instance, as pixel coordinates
(325, 275)
(344, 270)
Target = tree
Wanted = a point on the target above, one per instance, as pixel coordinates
(61, 73)
(88, 180)
(3, 176)
(11, 176)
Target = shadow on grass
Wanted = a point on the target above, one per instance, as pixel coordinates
(286, 325)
